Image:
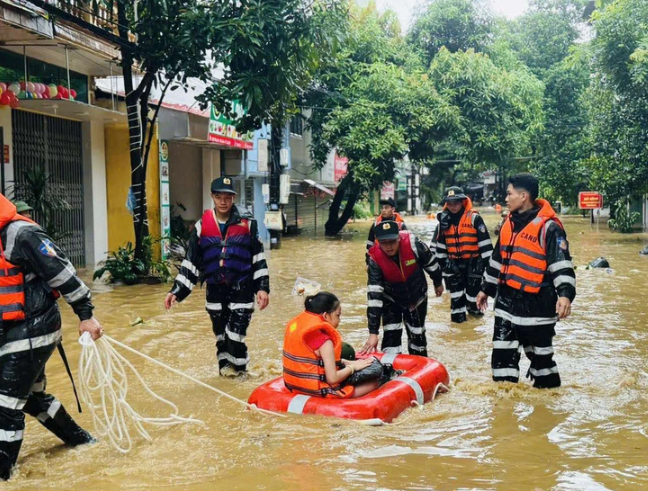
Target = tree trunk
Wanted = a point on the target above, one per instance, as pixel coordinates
(335, 221)
(136, 128)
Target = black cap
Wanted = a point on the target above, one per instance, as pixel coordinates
(388, 201)
(387, 230)
(454, 193)
(223, 184)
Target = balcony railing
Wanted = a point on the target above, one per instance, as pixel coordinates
(96, 12)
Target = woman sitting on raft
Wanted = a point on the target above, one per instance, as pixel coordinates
(312, 351)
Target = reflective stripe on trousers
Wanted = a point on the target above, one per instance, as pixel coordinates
(393, 318)
(510, 339)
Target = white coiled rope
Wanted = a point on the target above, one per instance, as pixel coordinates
(103, 388)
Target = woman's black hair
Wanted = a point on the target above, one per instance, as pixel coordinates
(322, 303)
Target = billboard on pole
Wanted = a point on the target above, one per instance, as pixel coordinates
(590, 200)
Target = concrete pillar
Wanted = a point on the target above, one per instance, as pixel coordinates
(94, 192)
(211, 169)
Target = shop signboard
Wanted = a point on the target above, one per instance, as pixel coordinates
(223, 130)
(388, 190)
(165, 199)
(340, 167)
(590, 200)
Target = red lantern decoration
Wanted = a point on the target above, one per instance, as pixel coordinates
(74, 93)
(5, 99)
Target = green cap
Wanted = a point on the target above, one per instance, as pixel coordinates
(21, 207)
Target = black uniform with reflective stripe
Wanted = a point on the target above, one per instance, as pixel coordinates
(412, 292)
(24, 245)
(21, 366)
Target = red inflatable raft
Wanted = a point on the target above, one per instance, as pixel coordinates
(421, 381)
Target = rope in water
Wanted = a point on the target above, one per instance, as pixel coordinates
(103, 388)
(189, 377)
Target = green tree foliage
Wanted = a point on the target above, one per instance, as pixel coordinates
(378, 103)
(617, 101)
(545, 35)
(544, 40)
(562, 146)
(267, 51)
(457, 25)
(374, 106)
(500, 110)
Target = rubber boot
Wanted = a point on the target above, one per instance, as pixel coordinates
(64, 427)
(8, 457)
(5, 466)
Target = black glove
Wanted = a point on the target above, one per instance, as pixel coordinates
(444, 220)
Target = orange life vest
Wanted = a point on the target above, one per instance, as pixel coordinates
(396, 218)
(407, 265)
(462, 241)
(524, 257)
(12, 279)
(303, 370)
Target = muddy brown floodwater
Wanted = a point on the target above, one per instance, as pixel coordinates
(591, 434)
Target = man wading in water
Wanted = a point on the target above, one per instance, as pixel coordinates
(34, 272)
(397, 290)
(226, 253)
(532, 278)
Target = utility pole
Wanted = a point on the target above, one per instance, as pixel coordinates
(276, 142)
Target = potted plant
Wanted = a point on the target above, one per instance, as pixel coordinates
(125, 268)
(122, 266)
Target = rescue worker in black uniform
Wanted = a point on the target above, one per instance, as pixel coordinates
(33, 273)
(397, 289)
(387, 212)
(532, 278)
(462, 246)
(226, 253)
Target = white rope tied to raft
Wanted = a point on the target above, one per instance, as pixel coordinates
(252, 407)
(103, 388)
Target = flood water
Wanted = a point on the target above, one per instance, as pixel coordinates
(590, 434)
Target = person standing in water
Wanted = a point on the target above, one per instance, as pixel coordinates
(225, 252)
(34, 274)
(532, 278)
(397, 289)
(387, 212)
(462, 246)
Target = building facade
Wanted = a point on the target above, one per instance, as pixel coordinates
(54, 135)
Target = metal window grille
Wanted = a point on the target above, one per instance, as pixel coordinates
(53, 146)
(297, 125)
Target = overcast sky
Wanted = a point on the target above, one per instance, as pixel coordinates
(404, 8)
